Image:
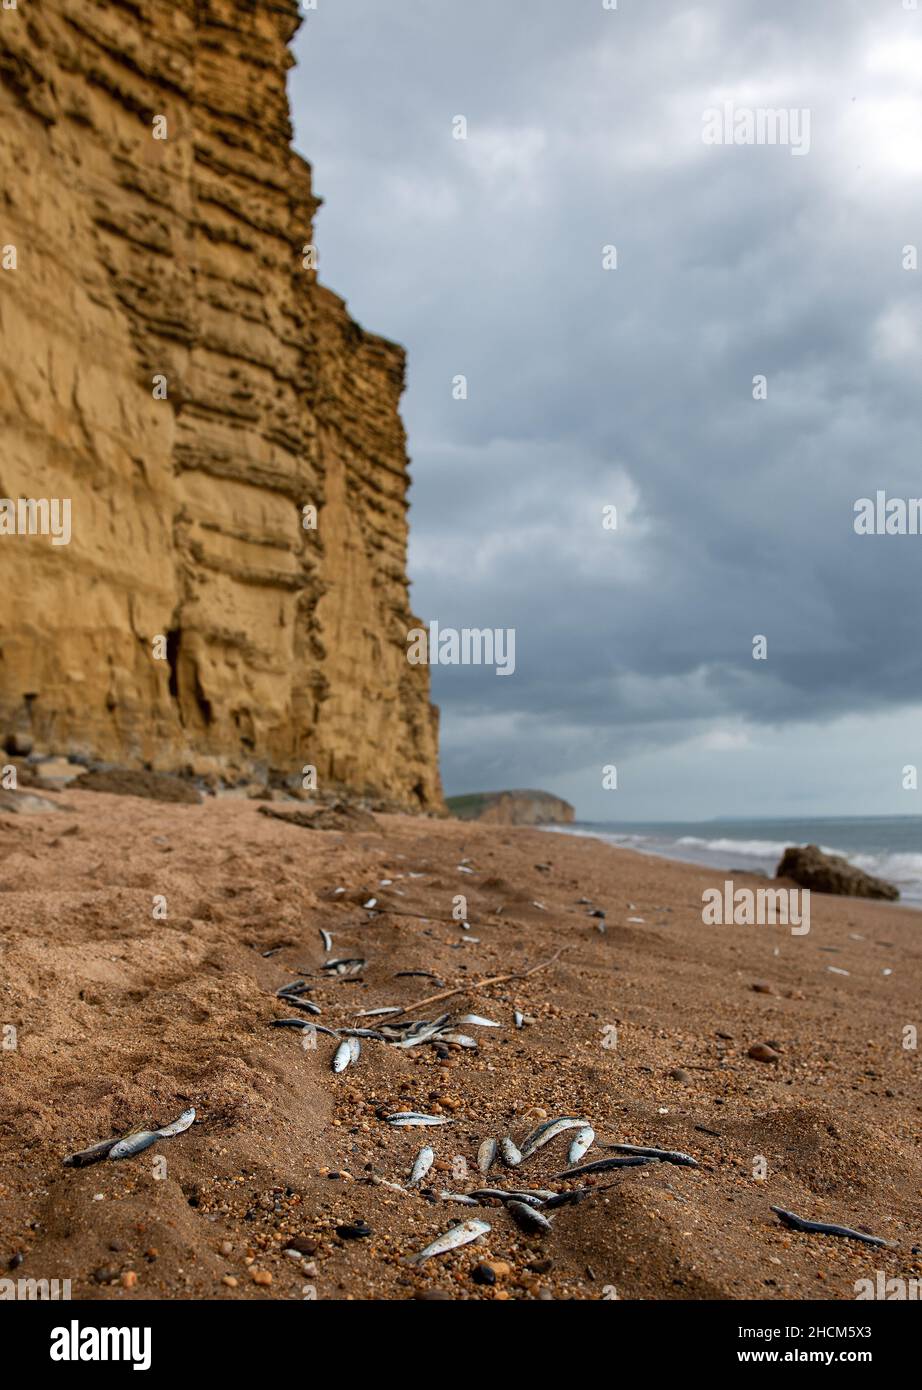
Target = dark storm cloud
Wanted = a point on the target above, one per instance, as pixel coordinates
(633, 387)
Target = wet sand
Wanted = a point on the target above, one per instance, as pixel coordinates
(123, 1020)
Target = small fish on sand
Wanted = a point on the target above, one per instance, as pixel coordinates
(486, 1155)
(518, 1019)
(132, 1143)
(476, 1021)
(422, 1163)
(379, 1013)
(452, 1240)
(602, 1165)
(349, 965)
(511, 1155)
(408, 1118)
(463, 1197)
(527, 1217)
(455, 1039)
(664, 1155)
(580, 1144)
(296, 987)
(294, 1002)
(548, 1131)
(347, 1053)
(501, 1194)
(327, 940)
(823, 1228)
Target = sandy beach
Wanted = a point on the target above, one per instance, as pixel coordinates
(123, 1019)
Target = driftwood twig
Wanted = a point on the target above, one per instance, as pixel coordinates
(471, 985)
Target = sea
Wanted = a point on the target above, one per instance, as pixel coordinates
(888, 846)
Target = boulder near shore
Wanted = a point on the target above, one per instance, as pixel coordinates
(808, 866)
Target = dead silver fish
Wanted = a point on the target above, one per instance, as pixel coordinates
(423, 1162)
(475, 1021)
(455, 1039)
(548, 1131)
(534, 1133)
(347, 1052)
(580, 1144)
(348, 965)
(528, 1217)
(409, 1118)
(451, 1240)
(511, 1156)
(143, 1138)
(664, 1155)
(414, 1037)
(518, 1019)
(327, 940)
(461, 1197)
(501, 1194)
(379, 1013)
(362, 1033)
(486, 1155)
(296, 987)
(602, 1165)
(294, 1002)
(824, 1228)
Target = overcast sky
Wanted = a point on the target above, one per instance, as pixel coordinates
(634, 387)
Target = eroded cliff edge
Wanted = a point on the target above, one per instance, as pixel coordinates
(141, 259)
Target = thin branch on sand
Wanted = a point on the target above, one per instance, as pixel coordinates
(470, 985)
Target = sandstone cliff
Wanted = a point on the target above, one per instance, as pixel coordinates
(512, 808)
(171, 366)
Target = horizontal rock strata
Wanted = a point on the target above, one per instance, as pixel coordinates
(172, 367)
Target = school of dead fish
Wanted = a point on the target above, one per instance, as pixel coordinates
(527, 1207)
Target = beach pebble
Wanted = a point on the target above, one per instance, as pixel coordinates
(129, 1279)
(483, 1274)
(763, 987)
(261, 1276)
(761, 1052)
(677, 1074)
(230, 1281)
(302, 1245)
(354, 1231)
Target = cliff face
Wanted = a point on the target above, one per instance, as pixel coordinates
(171, 367)
(512, 808)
